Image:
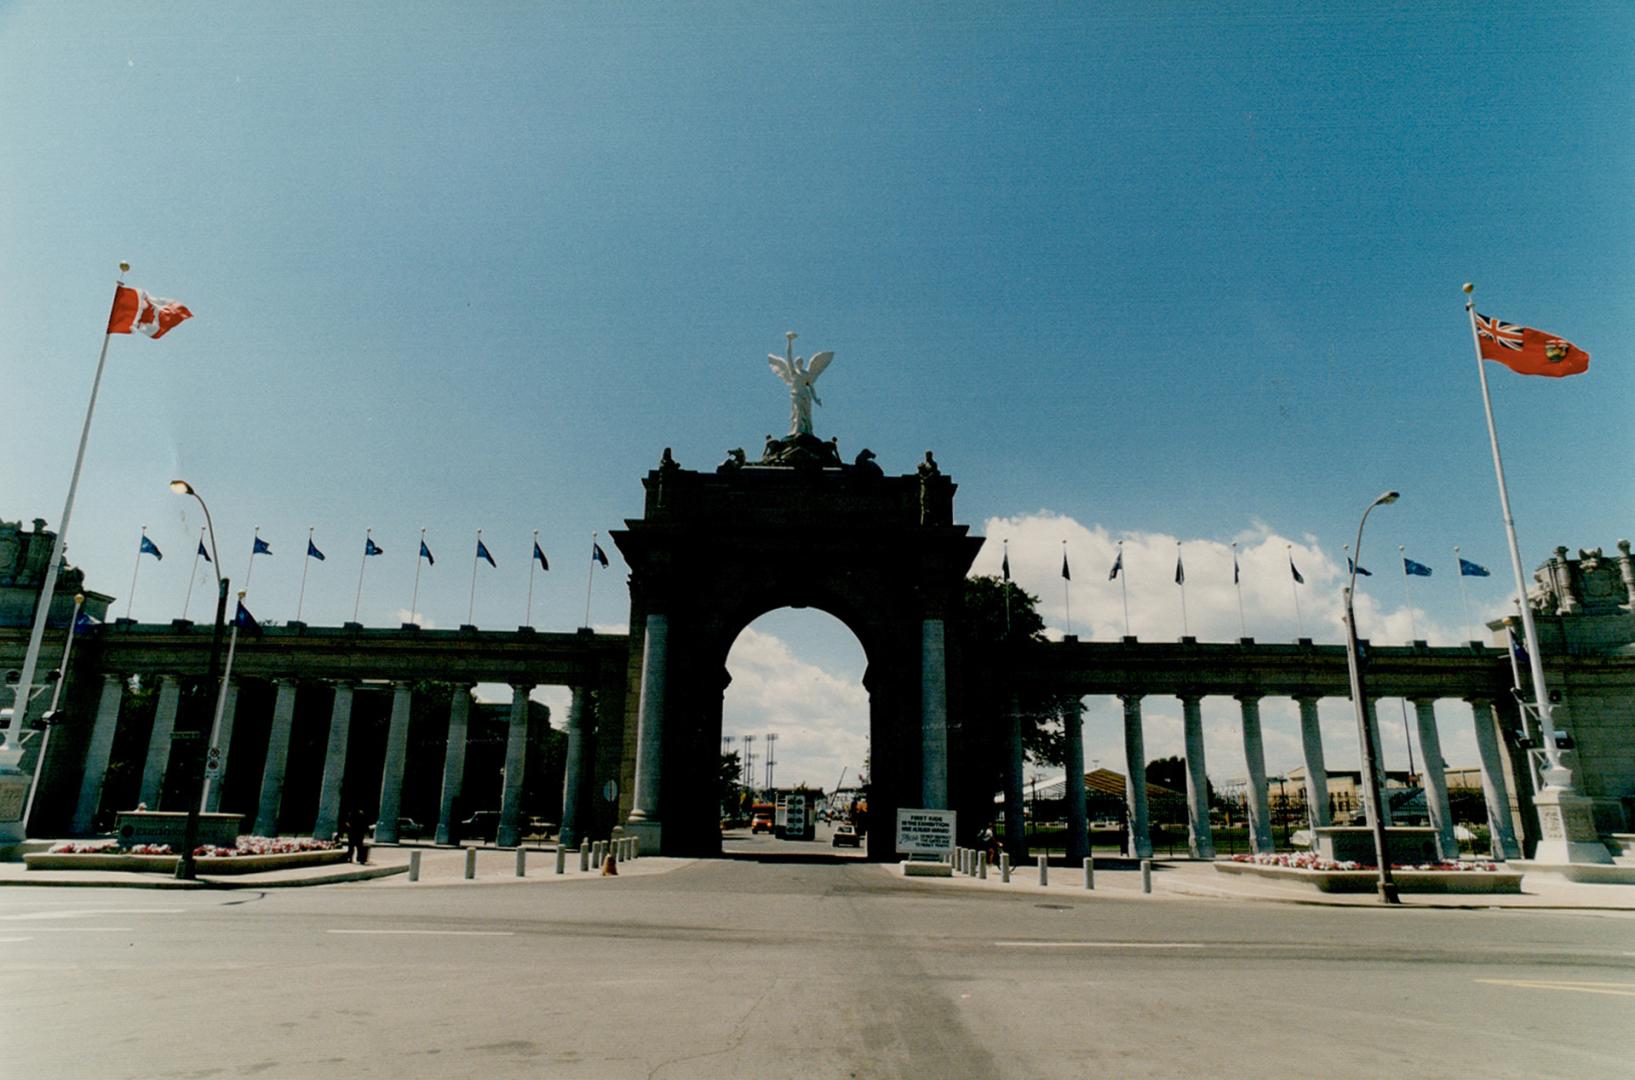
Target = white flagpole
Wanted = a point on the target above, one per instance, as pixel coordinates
(130, 599)
(471, 607)
(590, 578)
(414, 601)
(306, 564)
(1067, 585)
(358, 600)
(1407, 596)
(251, 565)
(1186, 630)
(221, 704)
(56, 695)
(13, 751)
(1123, 587)
(1555, 775)
(1464, 596)
(1243, 626)
(528, 619)
(1294, 587)
(193, 574)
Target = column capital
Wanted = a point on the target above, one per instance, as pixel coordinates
(1131, 697)
(1480, 701)
(1190, 697)
(1249, 698)
(1424, 699)
(1303, 696)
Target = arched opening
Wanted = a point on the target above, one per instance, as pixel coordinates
(795, 727)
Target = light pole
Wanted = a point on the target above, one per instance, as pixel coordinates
(1365, 729)
(190, 836)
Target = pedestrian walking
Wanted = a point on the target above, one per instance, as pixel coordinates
(357, 827)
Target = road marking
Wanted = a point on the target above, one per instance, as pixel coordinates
(77, 929)
(87, 913)
(1616, 989)
(433, 933)
(10, 940)
(1099, 944)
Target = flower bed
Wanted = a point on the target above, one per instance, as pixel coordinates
(1327, 875)
(250, 855)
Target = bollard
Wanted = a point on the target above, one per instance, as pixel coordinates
(959, 860)
(522, 862)
(584, 855)
(1004, 867)
(1089, 873)
(1044, 870)
(635, 847)
(471, 863)
(1146, 875)
(982, 865)
(561, 858)
(598, 853)
(619, 850)
(414, 866)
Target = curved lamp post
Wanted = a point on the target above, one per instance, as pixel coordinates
(1365, 728)
(190, 837)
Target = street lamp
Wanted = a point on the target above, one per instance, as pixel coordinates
(190, 836)
(1365, 728)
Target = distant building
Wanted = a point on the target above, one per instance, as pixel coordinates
(24, 557)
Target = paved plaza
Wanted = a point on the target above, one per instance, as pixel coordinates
(786, 961)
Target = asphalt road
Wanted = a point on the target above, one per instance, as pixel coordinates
(748, 968)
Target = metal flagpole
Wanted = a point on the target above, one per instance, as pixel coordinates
(254, 544)
(13, 752)
(1243, 626)
(414, 601)
(1123, 587)
(1555, 775)
(1407, 596)
(306, 564)
(528, 619)
(1464, 596)
(50, 713)
(471, 606)
(193, 574)
(1294, 587)
(221, 706)
(130, 598)
(357, 602)
(590, 577)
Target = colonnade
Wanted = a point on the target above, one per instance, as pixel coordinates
(1200, 844)
(328, 823)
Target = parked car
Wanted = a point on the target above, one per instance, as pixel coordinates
(407, 829)
(846, 836)
(482, 825)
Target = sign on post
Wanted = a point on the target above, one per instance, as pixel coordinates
(925, 832)
(212, 762)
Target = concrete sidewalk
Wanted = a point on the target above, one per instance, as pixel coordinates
(1190, 879)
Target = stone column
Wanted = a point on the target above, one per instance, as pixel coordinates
(164, 725)
(278, 752)
(1254, 763)
(397, 751)
(644, 809)
(454, 759)
(933, 716)
(1078, 833)
(1494, 791)
(1311, 747)
(1016, 837)
(329, 790)
(224, 742)
(1379, 767)
(1200, 840)
(516, 758)
(577, 770)
(1436, 778)
(96, 754)
(1135, 779)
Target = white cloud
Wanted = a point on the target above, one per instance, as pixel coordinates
(820, 717)
(419, 618)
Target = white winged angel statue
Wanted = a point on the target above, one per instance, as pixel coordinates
(800, 375)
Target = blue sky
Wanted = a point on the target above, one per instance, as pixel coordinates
(1133, 272)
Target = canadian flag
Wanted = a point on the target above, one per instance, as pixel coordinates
(136, 311)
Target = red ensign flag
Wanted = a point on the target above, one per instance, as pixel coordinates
(1527, 351)
(136, 311)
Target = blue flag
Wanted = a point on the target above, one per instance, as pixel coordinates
(1417, 569)
(370, 547)
(245, 621)
(597, 554)
(1470, 569)
(150, 548)
(1005, 566)
(1235, 566)
(1298, 580)
(1349, 565)
(1065, 575)
(425, 553)
(540, 555)
(1518, 650)
(1118, 564)
(313, 552)
(203, 553)
(260, 548)
(1180, 570)
(482, 553)
(84, 622)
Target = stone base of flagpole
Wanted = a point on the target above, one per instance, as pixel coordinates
(13, 799)
(1567, 829)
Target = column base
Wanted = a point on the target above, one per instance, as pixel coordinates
(649, 833)
(13, 800)
(1567, 829)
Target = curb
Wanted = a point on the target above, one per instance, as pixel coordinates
(222, 883)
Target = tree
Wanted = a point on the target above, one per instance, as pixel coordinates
(1171, 772)
(727, 782)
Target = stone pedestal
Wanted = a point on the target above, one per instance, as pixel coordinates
(1567, 829)
(650, 833)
